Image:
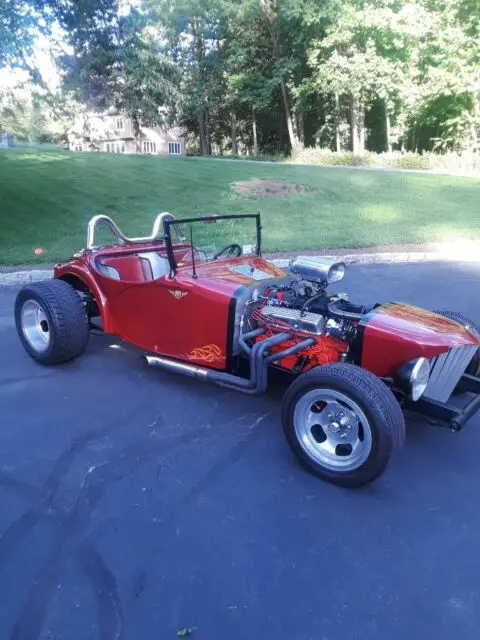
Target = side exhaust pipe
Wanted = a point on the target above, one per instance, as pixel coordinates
(259, 361)
(177, 367)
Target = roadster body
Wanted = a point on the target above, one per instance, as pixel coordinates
(355, 369)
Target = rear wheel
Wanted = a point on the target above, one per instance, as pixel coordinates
(474, 366)
(342, 423)
(51, 321)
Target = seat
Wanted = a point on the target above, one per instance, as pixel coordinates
(107, 270)
(141, 267)
(154, 265)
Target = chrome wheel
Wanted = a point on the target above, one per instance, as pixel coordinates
(332, 429)
(35, 325)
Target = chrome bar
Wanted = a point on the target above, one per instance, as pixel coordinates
(120, 237)
(446, 371)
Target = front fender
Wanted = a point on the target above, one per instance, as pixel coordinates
(394, 333)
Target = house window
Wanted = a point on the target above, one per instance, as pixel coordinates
(149, 146)
(119, 123)
(174, 148)
(78, 147)
(115, 147)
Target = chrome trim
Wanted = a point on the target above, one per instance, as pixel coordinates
(120, 237)
(318, 269)
(446, 371)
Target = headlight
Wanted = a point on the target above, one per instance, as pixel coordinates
(413, 377)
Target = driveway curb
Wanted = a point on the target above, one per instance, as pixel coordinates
(36, 275)
(25, 276)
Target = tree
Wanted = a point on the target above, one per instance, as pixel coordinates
(366, 56)
(118, 62)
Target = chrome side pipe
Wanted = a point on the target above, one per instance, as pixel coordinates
(177, 367)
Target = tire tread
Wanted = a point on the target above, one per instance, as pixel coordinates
(373, 393)
(70, 323)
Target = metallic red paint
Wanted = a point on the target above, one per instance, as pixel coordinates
(188, 318)
(395, 333)
(181, 317)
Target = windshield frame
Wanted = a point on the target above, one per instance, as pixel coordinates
(212, 218)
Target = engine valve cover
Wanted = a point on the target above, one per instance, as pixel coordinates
(308, 322)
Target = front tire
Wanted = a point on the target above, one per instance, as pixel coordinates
(51, 321)
(342, 423)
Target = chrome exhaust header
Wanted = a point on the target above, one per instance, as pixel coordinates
(260, 358)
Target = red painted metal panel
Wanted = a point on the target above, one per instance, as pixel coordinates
(396, 333)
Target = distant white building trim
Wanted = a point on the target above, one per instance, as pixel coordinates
(113, 132)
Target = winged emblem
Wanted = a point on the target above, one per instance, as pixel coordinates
(177, 294)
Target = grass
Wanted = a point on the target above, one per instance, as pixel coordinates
(47, 198)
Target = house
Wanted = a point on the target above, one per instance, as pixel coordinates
(113, 132)
(6, 140)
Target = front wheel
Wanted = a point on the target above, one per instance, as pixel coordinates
(342, 423)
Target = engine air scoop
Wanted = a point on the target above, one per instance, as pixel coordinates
(322, 270)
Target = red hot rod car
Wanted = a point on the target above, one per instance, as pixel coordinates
(199, 313)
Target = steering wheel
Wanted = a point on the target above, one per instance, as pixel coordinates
(232, 250)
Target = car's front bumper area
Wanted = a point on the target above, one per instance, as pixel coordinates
(449, 414)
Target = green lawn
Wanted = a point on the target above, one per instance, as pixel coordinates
(47, 198)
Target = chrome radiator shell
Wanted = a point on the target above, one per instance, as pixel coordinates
(446, 371)
(309, 322)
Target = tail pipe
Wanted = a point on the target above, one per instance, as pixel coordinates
(257, 383)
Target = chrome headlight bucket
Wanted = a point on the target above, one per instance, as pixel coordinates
(413, 377)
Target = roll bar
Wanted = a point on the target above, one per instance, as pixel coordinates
(157, 231)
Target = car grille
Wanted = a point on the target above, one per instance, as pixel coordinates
(446, 370)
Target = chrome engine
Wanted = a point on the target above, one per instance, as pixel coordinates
(308, 322)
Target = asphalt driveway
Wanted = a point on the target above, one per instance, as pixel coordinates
(135, 503)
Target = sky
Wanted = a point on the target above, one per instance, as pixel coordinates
(42, 59)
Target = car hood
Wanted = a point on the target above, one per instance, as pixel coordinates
(394, 333)
(425, 327)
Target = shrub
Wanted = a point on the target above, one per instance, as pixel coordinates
(395, 159)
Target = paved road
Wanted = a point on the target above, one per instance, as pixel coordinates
(134, 503)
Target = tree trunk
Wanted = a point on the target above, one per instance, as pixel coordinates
(288, 117)
(208, 135)
(268, 13)
(388, 129)
(300, 128)
(136, 133)
(361, 131)
(254, 131)
(475, 123)
(234, 133)
(203, 137)
(337, 123)
(357, 126)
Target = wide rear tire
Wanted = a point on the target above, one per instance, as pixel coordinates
(51, 321)
(342, 423)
